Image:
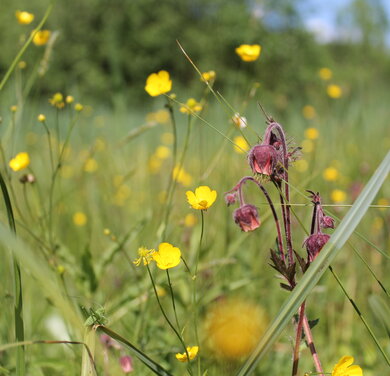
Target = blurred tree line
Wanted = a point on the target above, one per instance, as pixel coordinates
(107, 48)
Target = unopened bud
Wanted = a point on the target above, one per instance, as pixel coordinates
(247, 217)
(263, 159)
(230, 198)
(314, 243)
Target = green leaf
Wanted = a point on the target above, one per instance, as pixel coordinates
(319, 266)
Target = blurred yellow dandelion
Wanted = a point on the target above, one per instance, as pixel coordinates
(91, 165)
(192, 352)
(180, 175)
(80, 219)
(331, 174)
(41, 118)
(158, 83)
(191, 106)
(154, 164)
(309, 112)
(162, 152)
(325, 74)
(167, 256)
(312, 133)
(20, 161)
(233, 327)
(23, 17)
(106, 231)
(57, 100)
(337, 196)
(344, 367)
(241, 146)
(208, 76)
(307, 146)
(160, 116)
(203, 197)
(41, 37)
(13, 108)
(190, 220)
(22, 64)
(248, 52)
(145, 256)
(334, 91)
(69, 99)
(78, 107)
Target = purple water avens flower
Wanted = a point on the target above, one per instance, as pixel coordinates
(314, 243)
(263, 159)
(230, 198)
(326, 221)
(126, 363)
(247, 217)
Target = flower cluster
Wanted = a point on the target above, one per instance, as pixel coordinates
(166, 257)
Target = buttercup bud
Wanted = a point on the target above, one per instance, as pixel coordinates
(247, 217)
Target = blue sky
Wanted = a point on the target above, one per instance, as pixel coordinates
(320, 17)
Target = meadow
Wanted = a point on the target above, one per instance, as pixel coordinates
(111, 266)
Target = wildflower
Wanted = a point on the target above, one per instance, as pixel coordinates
(154, 164)
(13, 108)
(145, 256)
(22, 64)
(191, 106)
(325, 74)
(91, 165)
(239, 121)
(241, 145)
(24, 18)
(311, 133)
(331, 174)
(126, 363)
(41, 118)
(233, 327)
(57, 100)
(180, 175)
(20, 161)
(78, 107)
(230, 198)
(334, 91)
(314, 243)
(248, 52)
(190, 220)
(107, 231)
(69, 99)
(80, 219)
(263, 159)
(158, 83)
(208, 76)
(192, 352)
(167, 256)
(162, 152)
(203, 197)
(247, 217)
(344, 368)
(41, 37)
(337, 195)
(326, 221)
(309, 112)
(307, 146)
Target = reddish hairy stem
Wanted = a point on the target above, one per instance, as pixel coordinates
(310, 341)
(298, 339)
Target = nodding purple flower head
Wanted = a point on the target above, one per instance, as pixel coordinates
(230, 198)
(263, 159)
(247, 217)
(126, 363)
(326, 222)
(314, 243)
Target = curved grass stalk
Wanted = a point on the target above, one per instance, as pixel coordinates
(319, 266)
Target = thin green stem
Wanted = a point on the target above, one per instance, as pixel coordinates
(18, 303)
(50, 145)
(173, 301)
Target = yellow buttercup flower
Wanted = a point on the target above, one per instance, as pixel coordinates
(167, 256)
(190, 220)
(144, 256)
(24, 18)
(20, 162)
(41, 118)
(203, 197)
(69, 99)
(241, 146)
(162, 152)
(192, 352)
(309, 112)
(183, 177)
(344, 367)
(158, 83)
(41, 37)
(334, 91)
(325, 74)
(312, 133)
(13, 108)
(80, 219)
(191, 106)
(337, 196)
(331, 174)
(78, 107)
(248, 52)
(91, 165)
(209, 76)
(57, 100)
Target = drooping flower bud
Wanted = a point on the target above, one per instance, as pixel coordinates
(263, 159)
(126, 363)
(326, 222)
(314, 243)
(247, 217)
(230, 198)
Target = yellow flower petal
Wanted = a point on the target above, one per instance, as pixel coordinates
(248, 52)
(192, 352)
(167, 256)
(158, 83)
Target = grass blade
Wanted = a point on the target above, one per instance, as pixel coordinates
(319, 266)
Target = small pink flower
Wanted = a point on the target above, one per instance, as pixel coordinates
(230, 198)
(126, 364)
(263, 159)
(314, 243)
(326, 222)
(247, 217)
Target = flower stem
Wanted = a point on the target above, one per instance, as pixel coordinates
(310, 341)
(298, 340)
